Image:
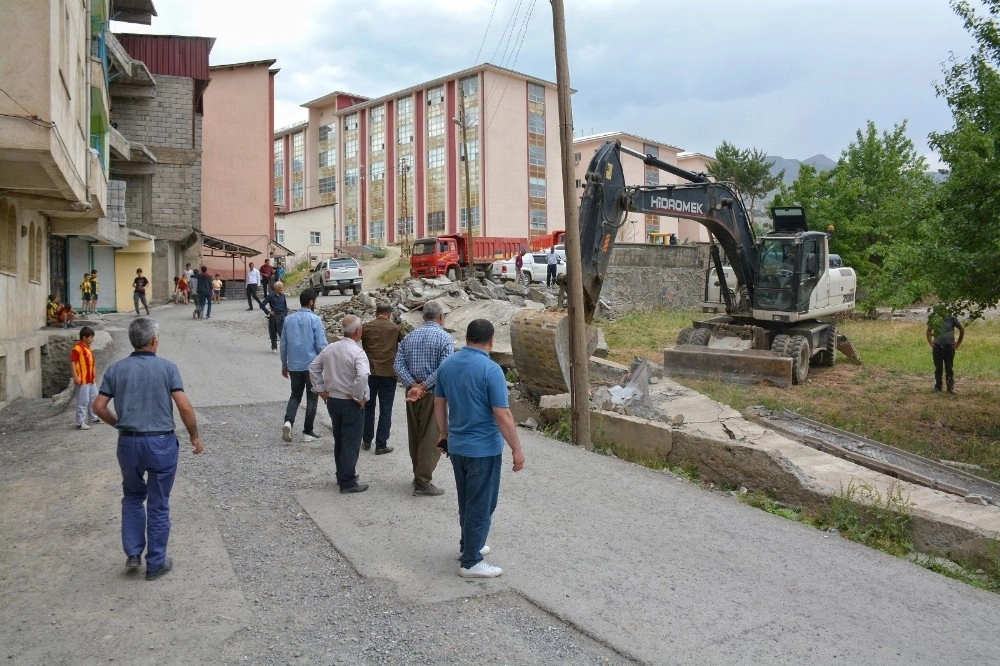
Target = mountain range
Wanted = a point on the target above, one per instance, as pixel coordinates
(791, 167)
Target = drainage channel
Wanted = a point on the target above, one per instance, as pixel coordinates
(880, 457)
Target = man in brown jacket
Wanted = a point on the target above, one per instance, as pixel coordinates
(380, 339)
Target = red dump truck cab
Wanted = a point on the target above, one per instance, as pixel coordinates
(450, 256)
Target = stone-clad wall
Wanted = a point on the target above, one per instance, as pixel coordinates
(648, 277)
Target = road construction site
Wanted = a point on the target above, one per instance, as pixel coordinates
(605, 561)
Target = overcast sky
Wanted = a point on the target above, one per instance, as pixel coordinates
(796, 78)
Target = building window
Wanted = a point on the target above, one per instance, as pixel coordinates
(279, 195)
(298, 152)
(435, 158)
(435, 222)
(279, 158)
(376, 114)
(435, 96)
(538, 222)
(350, 178)
(350, 122)
(378, 171)
(351, 233)
(327, 185)
(651, 176)
(378, 229)
(472, 146)
(351, 148)
(536, 155)
(435, 124)
(298, 191)
(378, 141)
(576, 157)
(536, 188)
(315, 238)
(650, 149)
(475, 217)
(470, 86)
(536, 93)
(404, 225)
(279, 235)
(536, 123)
(8, 237)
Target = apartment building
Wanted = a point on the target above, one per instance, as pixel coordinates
(477, 148)
(639, 226)
(57, 218)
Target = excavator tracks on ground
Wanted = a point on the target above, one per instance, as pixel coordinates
(877, 456)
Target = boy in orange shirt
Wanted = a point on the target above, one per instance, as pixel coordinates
(81, 360)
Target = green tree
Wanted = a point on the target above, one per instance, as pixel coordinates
(878, 199)
(748, 168)
(961, 259)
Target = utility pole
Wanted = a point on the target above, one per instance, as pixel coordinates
(460, 121)
(404, 169)
(578, 370)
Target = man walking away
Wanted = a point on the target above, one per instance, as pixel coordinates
(340, 376)
(204, 291)
(276, 308)
(551, 264)
(302, 339)
(253, 281)
(380, 340)
(142, 386)
(81, 359)
(472, 412)
(941, 327)
(139, 285)
(417, 360)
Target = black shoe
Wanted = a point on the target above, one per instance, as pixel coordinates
(382, 450)
(937, 389)
(366, 446)
(133, 562)
(359, 488)
(168, 564)
(250, 309)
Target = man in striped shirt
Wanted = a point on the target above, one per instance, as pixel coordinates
(417, 360)
(81, 359)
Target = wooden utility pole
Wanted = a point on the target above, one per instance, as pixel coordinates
(578, 371)
(468, 182)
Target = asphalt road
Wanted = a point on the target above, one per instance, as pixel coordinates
(605, 562)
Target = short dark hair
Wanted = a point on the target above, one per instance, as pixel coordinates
(383, 308)
(307, 296)
(480, 331)
(86, 332)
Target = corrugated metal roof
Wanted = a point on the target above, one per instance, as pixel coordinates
(171, 55)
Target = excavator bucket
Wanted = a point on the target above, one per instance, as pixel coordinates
(845, 347)
(745, 366)
(539, 340)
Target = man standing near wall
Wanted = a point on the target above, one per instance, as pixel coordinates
(253, 281)
(417, 360)
(380, 340)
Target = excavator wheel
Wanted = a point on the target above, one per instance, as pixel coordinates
(798, 350)
(828, 355)
(684, 337)
(539, 341)
(701, 336)
(779, 343)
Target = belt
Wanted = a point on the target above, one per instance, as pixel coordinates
(133, 433)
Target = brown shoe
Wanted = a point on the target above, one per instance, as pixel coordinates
(381, 451)
(359, 488)
(429, 489)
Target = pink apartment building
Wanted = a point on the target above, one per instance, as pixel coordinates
(479, 146)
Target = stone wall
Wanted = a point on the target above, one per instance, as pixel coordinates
(647, 277)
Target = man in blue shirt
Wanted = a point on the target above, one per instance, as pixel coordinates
(302, 339)
(145, 389)
(417, 360)
(472, 413)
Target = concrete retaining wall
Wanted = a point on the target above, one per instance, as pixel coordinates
(648, 277)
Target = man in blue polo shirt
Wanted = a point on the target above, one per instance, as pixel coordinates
(472, 413)
(145, 389)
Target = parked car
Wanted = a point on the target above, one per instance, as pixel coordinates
(533, 269)
(340, 273)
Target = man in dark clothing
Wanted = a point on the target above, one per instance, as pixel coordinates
(203, 290)
(941, 327)
(266, 273)
(276, 308)
(380, 340)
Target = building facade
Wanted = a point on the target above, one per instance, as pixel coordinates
(57, 218)
(478, 148)
(237, 162)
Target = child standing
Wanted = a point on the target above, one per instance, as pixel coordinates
(85, 292)
(93, 291)
(81, 359)
(217, 288)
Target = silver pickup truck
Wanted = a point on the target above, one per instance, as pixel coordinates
(534, 268)
(340, 273)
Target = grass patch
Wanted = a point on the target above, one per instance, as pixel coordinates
(395, 273)
(860, 512)
(888, 398)
(764, 502)
(561, 429)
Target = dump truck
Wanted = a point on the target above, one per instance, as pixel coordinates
(450, 256)
(541, 243)
(776, 290)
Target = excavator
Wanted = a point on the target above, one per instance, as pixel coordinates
(773, 288)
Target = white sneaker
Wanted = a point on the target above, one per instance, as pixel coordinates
(306, 437)
(481, 570)
(82, 426)
(286, 431)
(484, 551)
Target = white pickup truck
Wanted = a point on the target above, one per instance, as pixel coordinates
(534, 268)
(340, 273)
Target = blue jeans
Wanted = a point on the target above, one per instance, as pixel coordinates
(300, 383)
(148, 467)
(383, 389)
(348, 423)
(205, 303)
(477, 484)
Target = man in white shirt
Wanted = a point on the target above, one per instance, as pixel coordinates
(339, 374)
(253, 281)
(551, 265)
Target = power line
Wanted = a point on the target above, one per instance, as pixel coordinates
(487, 33)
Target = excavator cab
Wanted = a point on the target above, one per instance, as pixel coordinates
(778, 269)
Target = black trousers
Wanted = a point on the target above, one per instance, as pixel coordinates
(252, 293)
(348, 420)
(275, 323)
(944, 357)
(550, 275)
